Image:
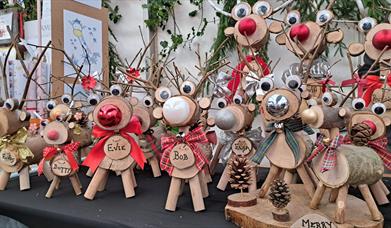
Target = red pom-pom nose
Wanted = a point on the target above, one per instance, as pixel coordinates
(382, 39)
(247, 26)
(109, 115)
(299, 31)
(53, 135)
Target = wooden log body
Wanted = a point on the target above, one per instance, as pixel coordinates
(355, 165)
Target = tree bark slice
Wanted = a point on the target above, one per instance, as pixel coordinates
(242, 200)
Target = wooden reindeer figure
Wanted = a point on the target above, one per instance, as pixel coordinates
(343, 165)
(115, 149)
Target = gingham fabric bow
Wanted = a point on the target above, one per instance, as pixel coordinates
(192, 138)
(330, 154)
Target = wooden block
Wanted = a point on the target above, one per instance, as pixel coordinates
(24, 179)
(75, 184)
(52, 187)
(60, 166)
(127, 183)
(196, 194)
(182, 156)
(94, 184)
(242, 200)
(4, 177)
(366, 194)
(173, 194)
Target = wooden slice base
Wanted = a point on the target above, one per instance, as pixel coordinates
(260, 215)
(242, 200)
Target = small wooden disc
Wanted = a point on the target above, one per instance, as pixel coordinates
(62, 131)
(229, 31)
(204, 103)
(117, 147)
(356, 49)
(281, 215)
(315, 88)
(60, 166)
(281, 39)
(182, 156)
(242, 200)
(335, 36)
(242, 146)
(8, 157)
(276, 27)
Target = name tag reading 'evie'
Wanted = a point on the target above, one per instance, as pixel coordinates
(117, 147)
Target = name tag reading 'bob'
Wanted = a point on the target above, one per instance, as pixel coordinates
(117, 147)
(182, 156)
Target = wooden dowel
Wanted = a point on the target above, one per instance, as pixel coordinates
(89, 173)
(128, 183)
(378, 193)
(318, 195)
(203, 184)
(103, 183)
(196, 194)
(182, 189)
(94, 184)
(341, 204)
(24, 178)
(333, 195)
(4, 178)
(215, 159)
(385, 189)
(312, 175)
(273, 172)
(308, 185)
(134, 182)
(223, 179)
(173, 194)
(253, 180)
(47, 172)
(58, 184)
(155, 166)
(366, 194)
(208, 177)
(75, 184)
(78, 181)
(52, 187)
(288, 176)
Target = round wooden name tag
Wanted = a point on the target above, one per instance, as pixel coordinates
(117, 147)
(8, 157)
(182, 156)
(242, 146)
(61, 167)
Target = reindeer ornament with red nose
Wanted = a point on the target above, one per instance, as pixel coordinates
(115, 149)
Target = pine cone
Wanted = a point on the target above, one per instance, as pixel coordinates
(240, 172)
(279, 194)
(360, 134)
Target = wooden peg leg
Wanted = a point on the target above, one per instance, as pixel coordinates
(58, 184)
(204, 185)
(366, 194)
(379, 194)
(288, 177)
(78, 181)
(173, 193)
(312, 175)
(253, 180)
(128, 183)
(341, 204)
(52, 187)
(75, 184)
(196, 194)
(133, 177)
(273, 172)
(333, 195)
(208, 177)
(223, 179)
(155, 166)
(308, 185)
(47, 172)
(318, 195)
(4, 178)
(94, 184)
(385, 189)
(24, 178)
(103, 183)
(89, 173)
(215, 159)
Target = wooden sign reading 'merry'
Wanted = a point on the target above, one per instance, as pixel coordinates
(313, 221)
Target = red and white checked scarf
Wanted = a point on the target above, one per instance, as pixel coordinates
(380, 146)
(192, 138)
(330, 156)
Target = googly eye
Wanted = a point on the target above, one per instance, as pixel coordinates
(241, 10)
(329, 99)
(50, 105)
(293, 82)
(44, 123)
(366, 24)
(188, 88)
(221, 103)
(162, 94)
(148, 101)
(93, 99)
(293, 17)
(262, 8)
(358, 104)
(266, 84)
(238, 99)
(116, 90)
(379, 108)
(312, 102)
(324, 16)
(66, 99)
(11, 104)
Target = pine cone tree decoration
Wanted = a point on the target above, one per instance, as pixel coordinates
(240, 172)
(279, 194)
(360, 134)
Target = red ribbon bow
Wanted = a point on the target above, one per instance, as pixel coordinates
(361, 84)
(330, 156)
(50, 151)
(97, 153)
(192, 138)
(380, 146)
(326, 82)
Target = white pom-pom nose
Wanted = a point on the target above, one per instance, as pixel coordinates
(176, 110)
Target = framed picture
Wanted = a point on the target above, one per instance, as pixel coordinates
(8, 17)
(82, 31)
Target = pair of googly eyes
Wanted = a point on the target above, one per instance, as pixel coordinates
(66, 99)
(377, 108)
(222, 102)
(322, 17)
(186, 88)
(366, 24)
(260, 8)
(93, 99)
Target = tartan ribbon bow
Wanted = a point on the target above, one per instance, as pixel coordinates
(155, 149)
(192, 138)
(50, 151)
(17, 141)
(97, 153)
(330, 156)
(264, 147)
(380, 146)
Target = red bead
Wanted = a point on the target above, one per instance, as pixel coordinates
(381, 39)
(53, 135)
(109, 115)
(247, 26)
(299, 31)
